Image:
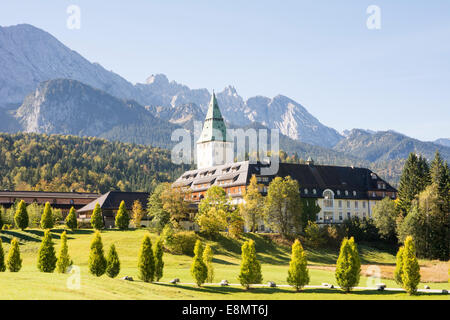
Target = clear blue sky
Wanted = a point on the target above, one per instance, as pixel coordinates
(319, 53)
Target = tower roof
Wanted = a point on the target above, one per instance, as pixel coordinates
(214, 128)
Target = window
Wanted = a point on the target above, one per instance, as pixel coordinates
(314, 191)
(349, 215)
(348, 204)
(356, 204)
(346, 192)
(305, 191)
(354, 193)
(364, 215)
(340, 216)
(340, 203)
(338, 192)
(328, 198)
(328, 217)
(364, 204)
(373, 194)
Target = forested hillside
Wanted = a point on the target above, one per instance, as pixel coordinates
(64, 163)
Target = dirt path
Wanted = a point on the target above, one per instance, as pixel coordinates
(432, 271)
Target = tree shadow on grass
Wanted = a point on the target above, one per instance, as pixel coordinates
(40, 233)
(197, 289)
(20, 236)
(220, 261)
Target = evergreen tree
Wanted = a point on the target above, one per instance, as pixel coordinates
(414, 179)
(97, 261)
(97, 218)
(440, 177)
(21, 216)
(207, 259)
(47, 217)
(399, 267)
(199, 270)
(298, 275)
(250, 268)
(158, 254)
(14, 261)
(71, 219)
(112, 262)
(146, 264)
(46, 255)
(63, 259)
(411, 269)
(2, 212)
(253, 206)
(122, 217)
(348, 265)
(2, 257)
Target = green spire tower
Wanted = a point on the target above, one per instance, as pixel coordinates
(214, 147)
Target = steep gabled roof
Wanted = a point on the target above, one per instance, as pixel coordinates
(214, 128)
(112, 199)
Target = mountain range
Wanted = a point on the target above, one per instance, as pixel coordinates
(45, 87)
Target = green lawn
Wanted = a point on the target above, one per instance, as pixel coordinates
(29, 283)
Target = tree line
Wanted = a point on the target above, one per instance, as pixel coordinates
(422, 209)
(83, 164)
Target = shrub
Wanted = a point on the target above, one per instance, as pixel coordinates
(399, 267)
(2, 213)
(97, 218)
(34, 211)
(112, 262)
(348, 266)
(167, 236)
(2, 257)
(298, 275)
(46, 256)
(71, 219)
(14, 261)
(250, 268)
(97, 261)
(146, 264)
(410, 268)
(159, 263)
(47, 221)
(21, 216)
(183, 242)
(198, 268)
(207, 259)
(63, 259)
(315, 236)
(122, 217)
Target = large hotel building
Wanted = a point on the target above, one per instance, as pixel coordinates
(341, 192)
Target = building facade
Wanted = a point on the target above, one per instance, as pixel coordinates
(341, 192)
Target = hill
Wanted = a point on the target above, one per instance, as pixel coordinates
(387, 145)
(64, 163)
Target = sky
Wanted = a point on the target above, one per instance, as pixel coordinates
(320, 53)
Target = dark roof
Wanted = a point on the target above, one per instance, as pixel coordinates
(309, 176)
(112, 199)
(44, 194)
(334, 178)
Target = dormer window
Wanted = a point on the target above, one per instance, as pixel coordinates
(354, 193)
(314, 191)
(346, 192)
(305, 191)
(338, 192)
